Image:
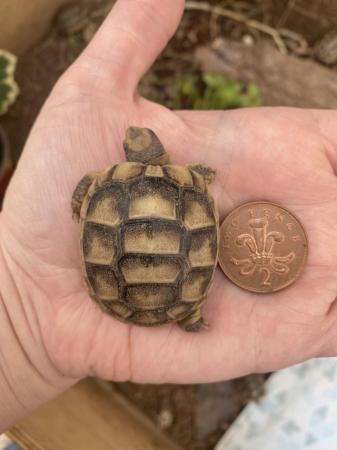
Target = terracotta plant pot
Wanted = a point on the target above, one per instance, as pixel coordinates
(5, 162)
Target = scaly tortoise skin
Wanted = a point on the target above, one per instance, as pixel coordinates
(149, 236)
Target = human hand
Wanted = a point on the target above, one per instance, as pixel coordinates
(278, 154)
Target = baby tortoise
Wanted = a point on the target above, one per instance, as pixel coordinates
(149, 235)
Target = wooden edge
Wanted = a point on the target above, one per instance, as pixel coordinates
(90, 415)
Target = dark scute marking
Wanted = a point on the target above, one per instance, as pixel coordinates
(151, 296)
(197, 239)
(207, 274)
(111, 189)
(152, 228)
(140, 268)
(200, 197)
(154, 185)
(106, 235)
(150, 318)
(102, 278)
(116, 308)
(190, 198)
(196, 284)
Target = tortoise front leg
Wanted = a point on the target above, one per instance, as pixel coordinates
(207, 172)
(193, 322)
(80, 192)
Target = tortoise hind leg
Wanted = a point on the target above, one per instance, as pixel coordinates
(80, 192)
(193, 322)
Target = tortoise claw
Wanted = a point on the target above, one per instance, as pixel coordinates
(206, 172)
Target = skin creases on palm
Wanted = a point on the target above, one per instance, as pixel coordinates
(283, 155)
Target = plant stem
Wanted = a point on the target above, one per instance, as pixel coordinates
(238, 17)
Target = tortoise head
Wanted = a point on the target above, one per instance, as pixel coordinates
(142, 145)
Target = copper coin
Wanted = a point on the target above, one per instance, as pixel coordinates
(263, 247)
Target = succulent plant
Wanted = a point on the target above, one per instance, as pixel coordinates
(8, 88)
(214, 91)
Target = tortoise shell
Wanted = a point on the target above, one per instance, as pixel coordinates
(149, 243)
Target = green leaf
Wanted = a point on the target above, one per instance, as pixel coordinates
(4, 63)
(213, 80)
(252, 97)
(4, 92)
(207, 91)
(189, 87)
(213, 91)
(8, 87)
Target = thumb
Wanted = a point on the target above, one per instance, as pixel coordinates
(130, 39)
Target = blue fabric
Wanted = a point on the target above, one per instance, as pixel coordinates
(298, 411)
(13, 447)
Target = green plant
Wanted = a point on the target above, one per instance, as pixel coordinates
(8, 88)
(214, 91)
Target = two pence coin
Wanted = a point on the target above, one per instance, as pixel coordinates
(263, 247)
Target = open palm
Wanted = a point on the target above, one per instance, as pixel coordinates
(282, 155)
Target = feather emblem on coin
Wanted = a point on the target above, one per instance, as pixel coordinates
(263, 247)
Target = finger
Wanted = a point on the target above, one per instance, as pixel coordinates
(129, 41)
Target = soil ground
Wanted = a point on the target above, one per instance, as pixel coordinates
(195, 416)
(309, 20)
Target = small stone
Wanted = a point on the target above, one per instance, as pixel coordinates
(248, 40)
(165, 419)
